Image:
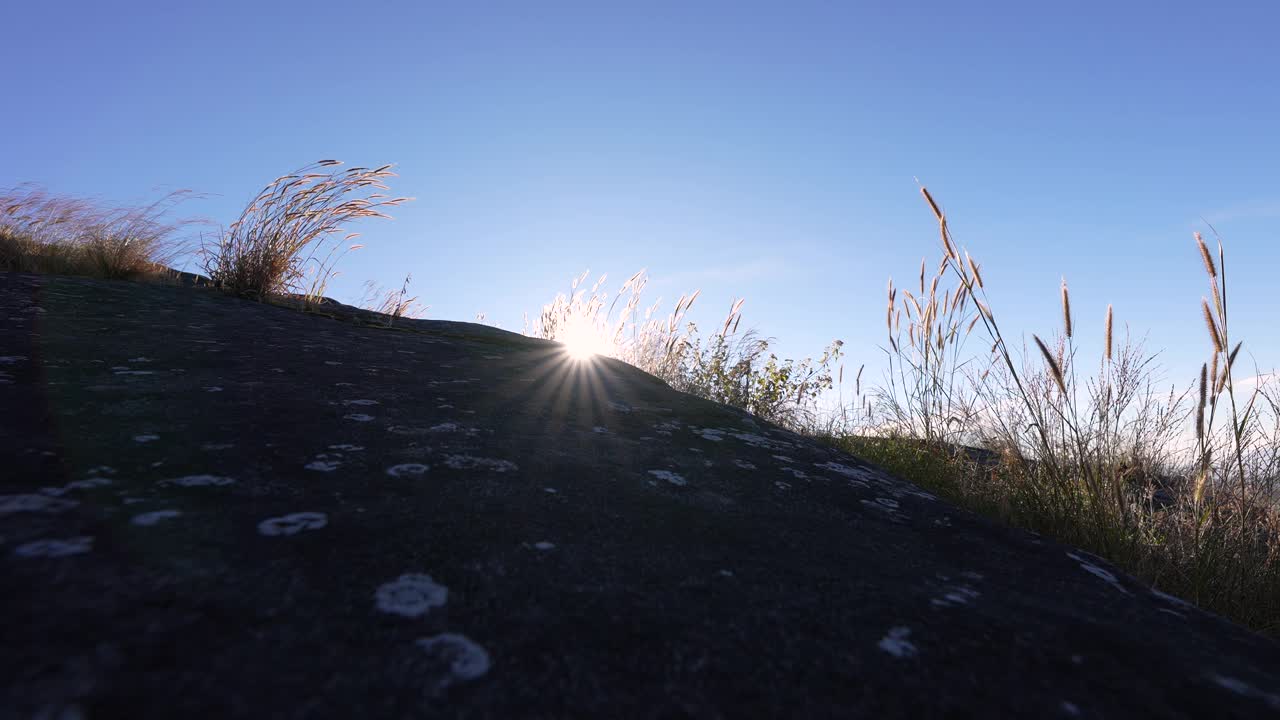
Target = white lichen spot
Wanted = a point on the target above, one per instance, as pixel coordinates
(323, 465)
(34, 503)
(200, 480)
(888, 506)
(783, 458)
(11, 359)
(91, 483)
(135, 372)
(726, 573)
(761, 441)
(799, 474)
(667, 427)
(361, 401)
(553, 491)
(600, 429)
(101, 470)
(673, 478)
(845, 470)
(212, 447)
(148, 519)
(410, 595)
(293, 523)
(358, 417)
(960, 595)
(463, 659)
(55, 548)
(213, 388)
(407, 470)
(140, 359)
(896, 643)
(467, 462)
(1241, 687)
(449, 427)
(711, 434)
(1070, 708)
(145, 438)
(744, 464)
(544, 545)
(332, 362)
(781, 485)
(347, 447)
(620, 407)
(1100, 572)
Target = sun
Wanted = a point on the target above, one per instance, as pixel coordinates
(582, 342)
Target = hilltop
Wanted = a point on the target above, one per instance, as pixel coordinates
(220, 508)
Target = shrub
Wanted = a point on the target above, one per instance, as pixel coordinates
(283, 241)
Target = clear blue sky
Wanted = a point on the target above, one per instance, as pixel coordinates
(757, 150)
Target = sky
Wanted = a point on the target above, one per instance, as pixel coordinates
(768, 151)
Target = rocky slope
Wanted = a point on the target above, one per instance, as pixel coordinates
(218, 508)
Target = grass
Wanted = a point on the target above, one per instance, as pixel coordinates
(285, 239)
(733, 366)
(1178, 488)
(394, 304)
(46, 233)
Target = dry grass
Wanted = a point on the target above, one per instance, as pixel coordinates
(394, 304)
(41, 232)
(285, 239)
(731, 366)
(1179, 488)
(635, 334)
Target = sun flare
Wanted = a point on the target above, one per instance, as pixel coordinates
(583, 342)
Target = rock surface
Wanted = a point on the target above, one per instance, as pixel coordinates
(218, 508)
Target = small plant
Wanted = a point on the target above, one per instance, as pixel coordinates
(392, 303)
(738, 369)
(283, 241)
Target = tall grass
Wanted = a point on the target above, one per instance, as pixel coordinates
(42, 232)
(285, 240)
(1177, 486)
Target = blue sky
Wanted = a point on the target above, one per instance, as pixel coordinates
(747, 149)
